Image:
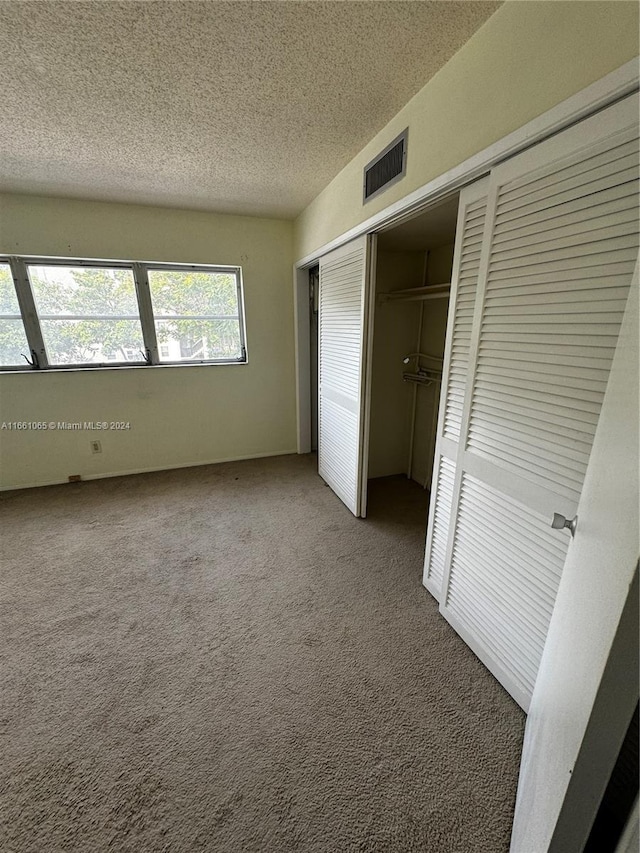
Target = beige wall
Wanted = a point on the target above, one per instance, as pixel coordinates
(178, 415)
(527, 58)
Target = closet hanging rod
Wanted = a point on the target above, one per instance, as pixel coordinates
(422, 378)
(430, 291)
(425, 288)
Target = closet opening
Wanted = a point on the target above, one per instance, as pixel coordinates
(414, 264)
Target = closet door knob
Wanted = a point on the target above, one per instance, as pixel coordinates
(560, 522)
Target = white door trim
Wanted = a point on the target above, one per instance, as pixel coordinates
(303, 357)
(367, 368)
(614, 86)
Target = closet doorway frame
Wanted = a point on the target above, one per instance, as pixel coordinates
(618, 84)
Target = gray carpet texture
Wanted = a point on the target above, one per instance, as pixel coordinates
(224, 659)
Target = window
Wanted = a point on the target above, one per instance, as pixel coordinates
(197, 314)
(88, 315)
(103, 314)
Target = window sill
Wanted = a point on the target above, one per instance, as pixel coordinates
(19, 371)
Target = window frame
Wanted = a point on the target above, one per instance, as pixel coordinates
(150, 357)
(208, 268)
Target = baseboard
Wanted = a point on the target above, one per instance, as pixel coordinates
(151, 469)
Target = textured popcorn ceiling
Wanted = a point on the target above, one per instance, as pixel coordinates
(240, 107)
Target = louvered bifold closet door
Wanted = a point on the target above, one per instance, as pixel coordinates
(560, 245)
(344, 315)
(472, 210)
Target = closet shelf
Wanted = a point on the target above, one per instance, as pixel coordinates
(423, 377)
(431, 291)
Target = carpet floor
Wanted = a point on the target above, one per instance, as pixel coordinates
(224, 659)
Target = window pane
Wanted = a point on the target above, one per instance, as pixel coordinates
(13, 341)
(184, 293)
(88, 315)
(196, 315)
(90, 341)
(199, 340)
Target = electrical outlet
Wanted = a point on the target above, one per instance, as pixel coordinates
(96, 446)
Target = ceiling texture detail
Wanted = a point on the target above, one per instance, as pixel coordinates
(236, 107)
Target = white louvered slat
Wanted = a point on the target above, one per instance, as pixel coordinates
(343, 277)
(339, 436)
(618, 268)
(605, 288)
(463, 315)
(605, 159)
(472, 211)
(443, 494)
(557, 258)
(528, 412)
(586, 223)
(577, 317)
(502, 599)
(568, 253)
(570, 186)
(613, 199)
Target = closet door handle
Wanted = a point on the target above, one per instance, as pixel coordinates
(560, 522)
